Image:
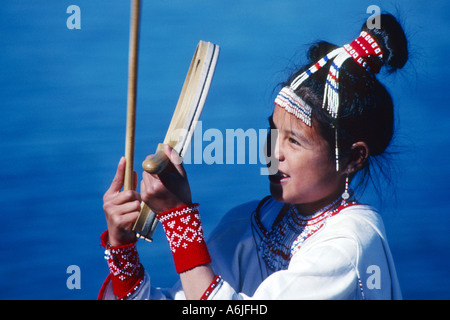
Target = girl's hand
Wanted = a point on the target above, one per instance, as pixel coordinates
(169, 189)
(121, 208)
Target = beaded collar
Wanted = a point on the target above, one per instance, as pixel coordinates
(290, 230)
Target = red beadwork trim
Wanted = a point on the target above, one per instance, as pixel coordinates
(126, 271)
(184, 232)
(366, 52)
(272, 244)
(217, 279)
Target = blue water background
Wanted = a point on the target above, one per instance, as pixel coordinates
(62, 125)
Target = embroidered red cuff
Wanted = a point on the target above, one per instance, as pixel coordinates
(126, 271)
(211, 287)
(184, 232)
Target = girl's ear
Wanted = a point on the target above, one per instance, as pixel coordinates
(358, 157)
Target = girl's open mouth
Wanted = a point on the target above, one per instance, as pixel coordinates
(279, 177)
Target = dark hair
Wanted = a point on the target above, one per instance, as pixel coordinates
(366, 111)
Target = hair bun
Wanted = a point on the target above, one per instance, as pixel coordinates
(392, 40)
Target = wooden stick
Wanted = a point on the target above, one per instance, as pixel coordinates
(132, 90)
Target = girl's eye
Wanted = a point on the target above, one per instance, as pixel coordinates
(292, 140)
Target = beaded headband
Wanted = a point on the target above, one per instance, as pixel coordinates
(364, 50)
(293, 104)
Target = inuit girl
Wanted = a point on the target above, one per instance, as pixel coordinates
(311, 238)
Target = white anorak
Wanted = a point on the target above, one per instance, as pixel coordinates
(347, 258)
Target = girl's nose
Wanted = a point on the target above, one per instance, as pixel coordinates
(278, 150)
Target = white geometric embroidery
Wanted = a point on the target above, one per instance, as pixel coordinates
(185, 227)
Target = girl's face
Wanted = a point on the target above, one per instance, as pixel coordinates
(306, 173)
